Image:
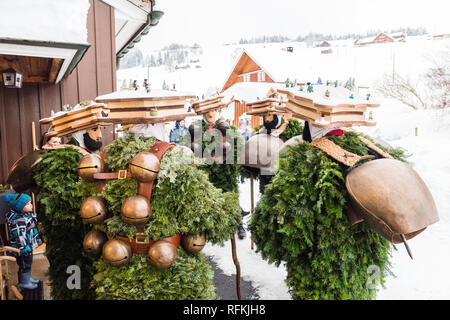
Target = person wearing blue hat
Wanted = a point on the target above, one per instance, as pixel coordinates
(24, 235)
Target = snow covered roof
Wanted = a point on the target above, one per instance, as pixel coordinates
(394, 36)
(250, 91)
(143, 95)
(44, 20)
(296, 65)
(133, 19)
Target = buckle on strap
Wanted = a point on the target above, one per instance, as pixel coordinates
(140, 237)
(122, 174)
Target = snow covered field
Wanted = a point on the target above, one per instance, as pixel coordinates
(425, 277)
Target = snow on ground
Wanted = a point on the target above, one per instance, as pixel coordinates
(267, 279)
(425, 277)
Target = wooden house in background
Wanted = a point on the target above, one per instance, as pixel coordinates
(67, 52)
(382, 38)
(245, 69)
(270, 67)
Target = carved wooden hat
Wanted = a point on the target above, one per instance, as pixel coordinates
(203, 106)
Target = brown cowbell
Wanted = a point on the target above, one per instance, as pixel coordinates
(392, 198)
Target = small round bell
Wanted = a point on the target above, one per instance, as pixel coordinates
(93, 242)
(144, 167)
(93, 210)
(89, 165)
(116, 252)
(193, 243)
(136, 210)
(162, 254)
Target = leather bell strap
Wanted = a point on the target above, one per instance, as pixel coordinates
(121, 174)
(139, 247)
(160, 148)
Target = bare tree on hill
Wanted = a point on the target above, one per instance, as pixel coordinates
(401, 89)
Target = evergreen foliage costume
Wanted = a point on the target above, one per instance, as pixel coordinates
(301, 220)
(183, 201)
(222, 175)
(59, 202)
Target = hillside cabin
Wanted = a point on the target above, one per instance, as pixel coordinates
(382, 38)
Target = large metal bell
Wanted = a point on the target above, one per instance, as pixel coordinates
(195, 129)
(144, 167)
(20, 176)
(93, 210)
(136, 210)
(116, 252)
(261, 151)
(89, 165)
(93, 242)
(392, 198)
(291, 142)
(193, 243)
(162, 254)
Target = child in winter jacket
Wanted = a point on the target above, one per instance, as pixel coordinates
(23, 235)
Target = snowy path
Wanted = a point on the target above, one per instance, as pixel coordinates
(267, 279)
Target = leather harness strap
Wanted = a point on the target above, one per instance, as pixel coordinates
(121, 174)
(138, 245)
(142, 248)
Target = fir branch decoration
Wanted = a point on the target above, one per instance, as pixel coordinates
(183, 201)
(293, 128)
(224, 176)
(300, 220)
(59, 203)
(190, 278)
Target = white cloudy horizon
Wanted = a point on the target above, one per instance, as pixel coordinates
(220, 22)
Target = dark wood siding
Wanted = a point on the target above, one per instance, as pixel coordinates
(95, 75)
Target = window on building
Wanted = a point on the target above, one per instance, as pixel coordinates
(247, 78)
(261, 76)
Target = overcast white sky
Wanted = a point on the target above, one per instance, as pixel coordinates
(224, 21)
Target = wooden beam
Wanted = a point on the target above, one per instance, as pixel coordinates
(54, 69)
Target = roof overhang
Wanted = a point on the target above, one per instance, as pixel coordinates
(61, 57)
(133, 19)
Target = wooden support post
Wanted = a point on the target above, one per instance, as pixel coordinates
(252, 200)
(33, 136)
(238, 267)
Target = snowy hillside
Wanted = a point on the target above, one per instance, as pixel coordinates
(366, 64)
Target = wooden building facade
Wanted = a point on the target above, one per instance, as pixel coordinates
(94, 75)
(246, 70)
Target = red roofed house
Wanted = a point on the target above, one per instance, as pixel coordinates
(246, 69)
